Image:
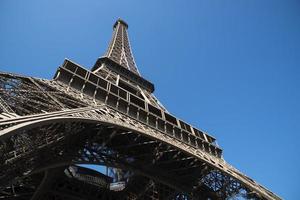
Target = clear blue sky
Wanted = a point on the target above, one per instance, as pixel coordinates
(231, 68)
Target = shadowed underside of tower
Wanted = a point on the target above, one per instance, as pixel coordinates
(106, 116)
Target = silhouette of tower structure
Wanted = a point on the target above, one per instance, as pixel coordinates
(106, 116)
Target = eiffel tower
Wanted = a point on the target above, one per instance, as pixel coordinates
(106, 116)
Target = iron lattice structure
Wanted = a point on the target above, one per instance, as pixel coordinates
(106, 116)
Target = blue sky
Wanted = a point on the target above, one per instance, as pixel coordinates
(231, 68)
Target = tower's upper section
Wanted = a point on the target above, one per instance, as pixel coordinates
(119, 59)
(119, 48)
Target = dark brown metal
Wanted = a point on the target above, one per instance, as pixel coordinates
(107, 116)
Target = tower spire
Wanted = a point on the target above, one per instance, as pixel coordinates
(119, 48)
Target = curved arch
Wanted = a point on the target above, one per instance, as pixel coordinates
(38, 123)
(218, 164)
(8, 132)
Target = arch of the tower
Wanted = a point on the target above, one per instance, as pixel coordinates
(63, 141)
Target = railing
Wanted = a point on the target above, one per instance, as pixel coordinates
(95, 86)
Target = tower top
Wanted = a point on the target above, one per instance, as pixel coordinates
(119, 57)
(119, 49)
(121, 21)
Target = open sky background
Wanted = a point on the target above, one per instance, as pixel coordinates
(231, 68)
